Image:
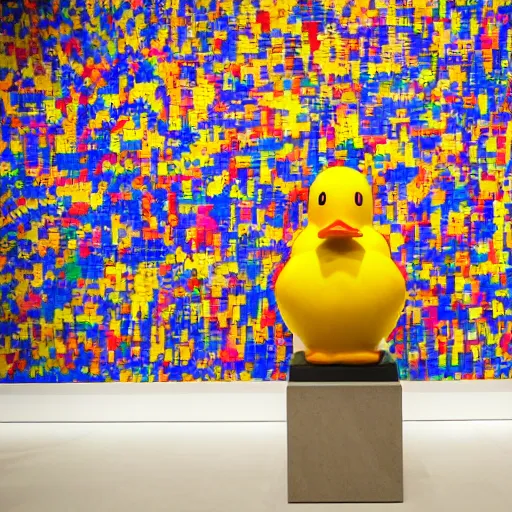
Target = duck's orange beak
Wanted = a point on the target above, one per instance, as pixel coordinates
(339, 229)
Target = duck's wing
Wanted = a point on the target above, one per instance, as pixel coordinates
(286, 251)
(401, 267)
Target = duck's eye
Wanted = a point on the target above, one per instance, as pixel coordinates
(322, 198)
(359, 198)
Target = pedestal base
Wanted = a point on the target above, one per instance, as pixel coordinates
(344, 442)
(302, 371)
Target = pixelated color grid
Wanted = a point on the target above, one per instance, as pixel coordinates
(153, 161)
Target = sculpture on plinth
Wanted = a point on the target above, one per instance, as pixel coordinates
(340, 291)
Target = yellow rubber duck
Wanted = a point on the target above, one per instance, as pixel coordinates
(340, 291)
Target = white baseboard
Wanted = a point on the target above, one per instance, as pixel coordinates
(457, 400)
(241, 401)
(129, 402)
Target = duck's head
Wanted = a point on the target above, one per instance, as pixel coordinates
(340, 203)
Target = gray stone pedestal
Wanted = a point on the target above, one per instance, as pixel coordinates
(344, 442)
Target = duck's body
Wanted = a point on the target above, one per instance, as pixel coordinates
(340, 291)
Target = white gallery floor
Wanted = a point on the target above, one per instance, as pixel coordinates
(224, 467)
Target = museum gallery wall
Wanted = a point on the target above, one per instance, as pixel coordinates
(155, 159)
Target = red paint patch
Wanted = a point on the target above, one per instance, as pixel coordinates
(229, 355)
(84, 251)
(119, 126)
(298, 194)
(79, 209)
(311, 27)
(400, 267)
(113, 341)
(486, 42)
(263, 18)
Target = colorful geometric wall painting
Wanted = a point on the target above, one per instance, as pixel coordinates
(152, 161)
